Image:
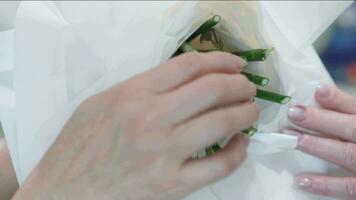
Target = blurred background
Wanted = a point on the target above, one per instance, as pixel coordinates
(337, 50)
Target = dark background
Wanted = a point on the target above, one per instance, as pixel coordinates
(337, 50)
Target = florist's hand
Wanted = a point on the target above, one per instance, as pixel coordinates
(332, 137)
(8, 181)
(135, 141)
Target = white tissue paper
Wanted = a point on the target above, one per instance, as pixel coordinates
(65, 52)
(7, 14)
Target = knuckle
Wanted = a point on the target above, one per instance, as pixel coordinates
(242, 80)
(350, 156)
(226, 122)
(322, 187)
(219, 55)
(141, 117)
(228, 166)
(315, 115)
(351, 131)
(310, 144)
(253, 89)
(242, 154)
(255, 111)
(220, 84)
(190, 58)
(350, 184)
(251, 112)
(247, 85)
(231, 59)
(336, 96)
(189, 62)
(216, 85)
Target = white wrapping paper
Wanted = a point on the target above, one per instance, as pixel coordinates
(67, 51)
(7, 100)
(7, 14)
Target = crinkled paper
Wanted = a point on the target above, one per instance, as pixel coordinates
(64, 52)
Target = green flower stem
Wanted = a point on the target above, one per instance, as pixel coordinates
(216, 147)
(212, 149)
(254, 54)
(186, 47)
(273, 97)
(250, 131)
(205, 27)
(256, 79)
(209, 151)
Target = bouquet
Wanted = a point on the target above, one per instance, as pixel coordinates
(206, 39)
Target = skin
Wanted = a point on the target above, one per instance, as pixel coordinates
(135, 140)
(332, 137)
(8, 183)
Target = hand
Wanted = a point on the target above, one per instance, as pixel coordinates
(8, 181)
(135, 141)
(332, 137)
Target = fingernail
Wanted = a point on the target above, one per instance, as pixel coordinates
(243, 61)
(291, 132)
(297, 113)
(303, 182)
(323, 90)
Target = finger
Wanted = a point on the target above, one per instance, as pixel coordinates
(215, 125)
(338, 152)
(325, 121)
(340, 187)
(332, 98)
(189, 66)
(212, 168)
(8, 185)
(206, 93)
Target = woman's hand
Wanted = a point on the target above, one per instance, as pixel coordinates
(8, 181)
(332, 137)
(135, 141)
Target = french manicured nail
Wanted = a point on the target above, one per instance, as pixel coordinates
(323, 90)
(297, 113)
(291, 132)
(303, 182)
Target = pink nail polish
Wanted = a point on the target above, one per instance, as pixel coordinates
(297, 113)
(303, 182)
(323, 90)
